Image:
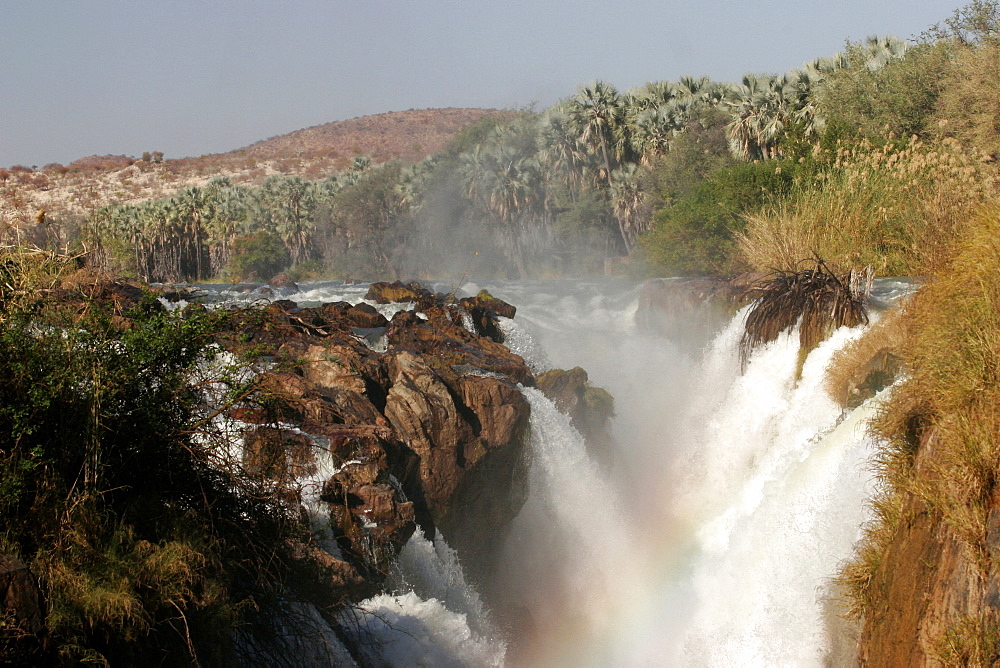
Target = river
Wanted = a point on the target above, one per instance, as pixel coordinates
(709, 540)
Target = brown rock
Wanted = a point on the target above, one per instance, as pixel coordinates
(876, 374)
(283, 283)
(446, 343)
(281, 454)
(362, 315)
(469, 433)
(22, 613)
(484, 309)
(589, 408)
(328, 581)
(388, 293)
(928, 581)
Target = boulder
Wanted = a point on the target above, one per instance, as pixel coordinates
(372, 518)
(469, 433)
(22, 614)
(875, 375)
(396, 292)
(445, 343)
(484, 309)
(588, 407)
(283, 284)
(362, 315)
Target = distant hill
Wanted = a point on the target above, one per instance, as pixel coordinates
(94, 181)
(405, 135)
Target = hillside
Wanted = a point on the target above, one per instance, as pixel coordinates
(403, 135)
(74, 190)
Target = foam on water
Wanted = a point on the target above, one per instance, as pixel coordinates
(435, 619)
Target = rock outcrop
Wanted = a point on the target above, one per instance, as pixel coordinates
(588, 407)
(426, 428)
(22, 613)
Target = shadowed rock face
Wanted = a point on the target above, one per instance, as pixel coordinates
(23, 612)
(431, 432)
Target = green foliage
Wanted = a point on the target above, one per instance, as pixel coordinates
(695, 154)
(695, 235)
(256, 257)
(968, 108)
(896, 99)
(148, 539)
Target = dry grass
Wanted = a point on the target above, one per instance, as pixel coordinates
(873, 352)
(856, 578)
(973, 640)
(941, 428)
(895, 209)
(26, 270)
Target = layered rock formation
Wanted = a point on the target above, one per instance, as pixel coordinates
(421, 419)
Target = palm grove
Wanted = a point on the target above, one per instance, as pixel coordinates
(680, 177)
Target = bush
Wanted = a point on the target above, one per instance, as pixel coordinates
(147, 538)
(696, 235)
(256, 257)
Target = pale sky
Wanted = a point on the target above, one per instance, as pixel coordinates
(190, 77)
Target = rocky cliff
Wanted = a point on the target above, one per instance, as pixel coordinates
(368, 427)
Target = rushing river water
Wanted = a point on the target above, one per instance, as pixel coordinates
(710, 540)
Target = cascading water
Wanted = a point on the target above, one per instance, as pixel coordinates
(712, 539)
(734, 499)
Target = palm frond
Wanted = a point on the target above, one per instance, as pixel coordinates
(815, 299)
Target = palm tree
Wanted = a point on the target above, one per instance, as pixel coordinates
(761, 111)
(563, 155)
(880, 51)
(627, 200)
(289, 202)
(597, 114)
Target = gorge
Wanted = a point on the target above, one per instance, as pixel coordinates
(706, 531)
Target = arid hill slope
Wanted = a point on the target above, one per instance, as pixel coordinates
(403, 135)
(74, 190)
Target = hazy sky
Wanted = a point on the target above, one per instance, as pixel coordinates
(82, 77)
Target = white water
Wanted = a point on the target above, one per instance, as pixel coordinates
(734, 500)
(712, 541)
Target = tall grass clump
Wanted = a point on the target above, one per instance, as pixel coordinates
(893, 207)
(940, 431)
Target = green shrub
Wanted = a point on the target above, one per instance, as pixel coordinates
(147, 538)
(256, 257)
(696, 235)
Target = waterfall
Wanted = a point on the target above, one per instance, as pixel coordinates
(736, 497)
(434, 618)
(712, 540)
